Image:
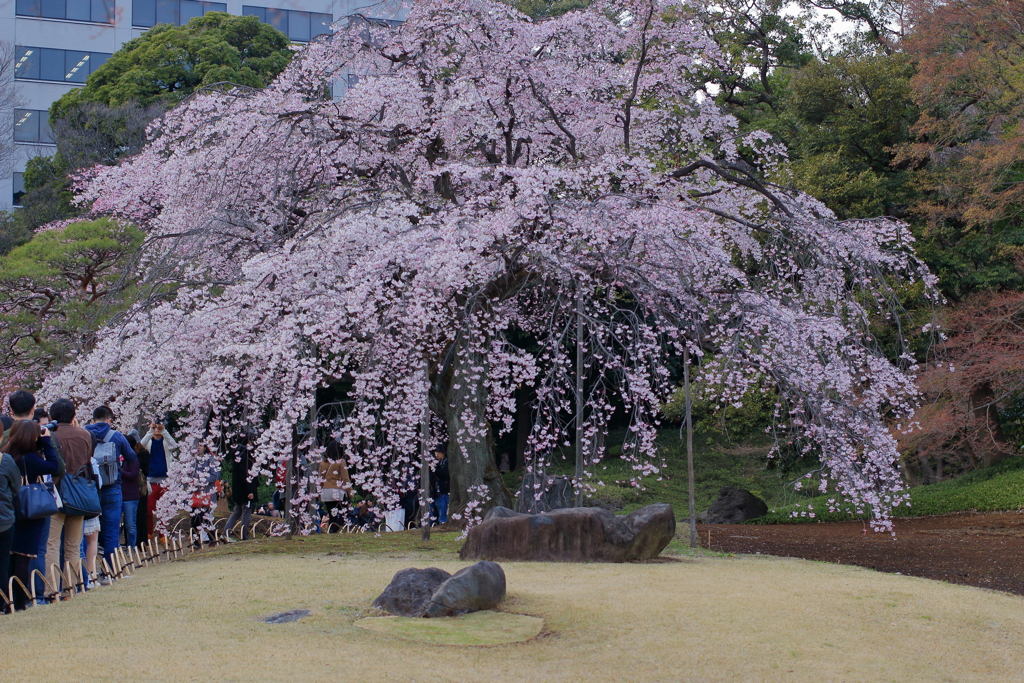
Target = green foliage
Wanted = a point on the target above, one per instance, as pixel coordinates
(996, 488)
(761, 44)
(969, 261)
(58, 289)
(167, 63)
(13, 232)
(841, 120)
(48, 194)
(717, 463)
(737, 422)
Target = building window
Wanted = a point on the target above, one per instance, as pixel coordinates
(148, 13)
(298, 26)
(32, 125)
(48, 64)
(97, 11)
(19, 188)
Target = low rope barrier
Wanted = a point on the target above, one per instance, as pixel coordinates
(63, 585)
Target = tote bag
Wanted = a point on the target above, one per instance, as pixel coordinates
(35, 501)
(79, 496)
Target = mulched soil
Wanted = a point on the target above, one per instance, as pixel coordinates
(975, 549)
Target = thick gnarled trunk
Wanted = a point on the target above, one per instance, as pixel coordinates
(459, 397)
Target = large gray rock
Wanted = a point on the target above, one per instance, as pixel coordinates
(410, 590)
(433, 592)
(734, 506)
(480, 586)
(571, 535)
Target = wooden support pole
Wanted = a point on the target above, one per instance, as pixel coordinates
(689, 446)
(425, 457)
(579, 401)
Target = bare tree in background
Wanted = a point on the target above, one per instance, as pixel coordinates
(8, 103)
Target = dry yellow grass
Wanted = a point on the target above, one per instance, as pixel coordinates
(705, 619)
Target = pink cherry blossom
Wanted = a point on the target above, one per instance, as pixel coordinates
(489, 180)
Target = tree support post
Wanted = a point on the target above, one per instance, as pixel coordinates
(689, 446)
(424, 458)
(579, 401)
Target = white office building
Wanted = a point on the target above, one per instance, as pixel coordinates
(58, 43)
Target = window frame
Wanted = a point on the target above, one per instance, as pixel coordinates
(306, 18)
(44, 56)
(101, 12)
(40, 124)
(151, 9)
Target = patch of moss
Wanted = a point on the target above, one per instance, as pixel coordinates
(474, 629)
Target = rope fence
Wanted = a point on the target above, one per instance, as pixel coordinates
(61, 585)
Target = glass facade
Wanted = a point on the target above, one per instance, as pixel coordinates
(32, 125)
(147, 13)
(48, 64)
(298, 26)
(97, 11)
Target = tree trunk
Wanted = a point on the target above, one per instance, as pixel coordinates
(990, 432)
(471, 441)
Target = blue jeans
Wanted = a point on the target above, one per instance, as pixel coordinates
(130, 508)
(439, 509)
(39, 562)
(110, 521)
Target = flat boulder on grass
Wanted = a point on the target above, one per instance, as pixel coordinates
(433, 592)
(409, 591)
(478, 587)
(571, 535)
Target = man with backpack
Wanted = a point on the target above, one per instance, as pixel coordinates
(111, 448)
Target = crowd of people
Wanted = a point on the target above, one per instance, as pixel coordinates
(41, 446)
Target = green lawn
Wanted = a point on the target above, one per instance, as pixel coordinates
(997, 488)
(718, 463)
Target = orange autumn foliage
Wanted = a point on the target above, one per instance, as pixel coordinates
(970, 87)
(980, 369)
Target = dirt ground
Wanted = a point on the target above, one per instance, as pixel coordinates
(974, 549)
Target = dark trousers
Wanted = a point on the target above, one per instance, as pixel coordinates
(6, 538)
(40, 560)
(110, 521)
(411, 504)
(243, 513)
(19, 568)
(142, 520)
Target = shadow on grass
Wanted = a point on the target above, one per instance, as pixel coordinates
(442, 544)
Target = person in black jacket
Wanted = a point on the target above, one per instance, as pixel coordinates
(440, 486)
(142, 514)
(34, 462)
(244, 492)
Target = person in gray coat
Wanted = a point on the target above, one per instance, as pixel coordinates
(10, 482)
